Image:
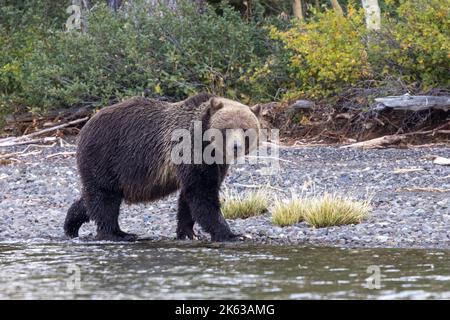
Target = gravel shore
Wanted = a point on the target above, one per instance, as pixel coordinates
(411, 207)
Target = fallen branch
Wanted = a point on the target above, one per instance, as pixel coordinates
(39, 146)
(395, 138)
(407, 170)
(18, 143)
(413, 103)
(8, 142)
(377, 142)
(37, 133)
(256, 186)
(19, 154)
(271, 158)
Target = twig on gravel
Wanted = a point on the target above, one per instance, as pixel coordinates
(39, 146)
(273, 158)
(64, 143)
(407, 170)
(422, 190)
(255, 186)
(64, 154)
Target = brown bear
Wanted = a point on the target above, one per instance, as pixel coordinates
(125, 153)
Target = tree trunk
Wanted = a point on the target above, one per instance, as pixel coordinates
(373, 14)
(337, 7)
(114, 4)
(298, 10)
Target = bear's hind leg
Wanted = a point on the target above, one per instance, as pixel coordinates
(185, 227)
(76, 216)
(104, 209)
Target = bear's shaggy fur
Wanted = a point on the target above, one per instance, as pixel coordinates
(124, 153)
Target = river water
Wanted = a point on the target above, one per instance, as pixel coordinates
(209, 271)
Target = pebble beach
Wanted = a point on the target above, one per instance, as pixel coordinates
(410, 197)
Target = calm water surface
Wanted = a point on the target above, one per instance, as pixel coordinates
(201, 271)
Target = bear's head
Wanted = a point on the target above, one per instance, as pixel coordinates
(239, 125)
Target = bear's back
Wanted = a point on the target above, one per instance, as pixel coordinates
(127, 146)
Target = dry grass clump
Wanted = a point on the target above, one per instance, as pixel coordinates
(321, 211)
(244, 205)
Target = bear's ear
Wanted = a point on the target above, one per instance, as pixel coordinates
(256, 109)
(216, 104)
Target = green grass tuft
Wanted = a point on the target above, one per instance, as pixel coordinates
(333, 210)
(321, 211)
(288, 213)
(244, 205)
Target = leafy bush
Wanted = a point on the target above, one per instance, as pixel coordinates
(165, 52)
(22, 24)
(179, 52)
(327, 53)
(331, 52)
(414, 44)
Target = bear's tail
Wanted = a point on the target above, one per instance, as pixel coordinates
(76, 216)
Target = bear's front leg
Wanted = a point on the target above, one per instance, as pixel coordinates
(204, 205)
(185, 226)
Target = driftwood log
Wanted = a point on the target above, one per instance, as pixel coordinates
(377, 142)
(413, 103)
(302, 104)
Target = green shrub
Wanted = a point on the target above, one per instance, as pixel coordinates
(180, 52)
(168, 52)
(414, 44)
(326, 53)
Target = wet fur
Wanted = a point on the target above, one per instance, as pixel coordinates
(124, 154)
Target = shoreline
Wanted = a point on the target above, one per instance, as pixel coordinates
(39, 189)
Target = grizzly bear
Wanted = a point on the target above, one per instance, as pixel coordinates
(125, 153)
